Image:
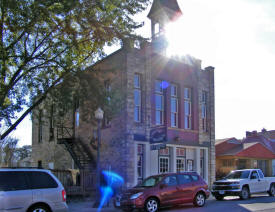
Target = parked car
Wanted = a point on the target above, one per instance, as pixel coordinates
(31, 190)
(164, 190)
(243, 183)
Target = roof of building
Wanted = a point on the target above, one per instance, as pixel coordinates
(170, 7)
(254, 144)
(261, 139)
(231, 140)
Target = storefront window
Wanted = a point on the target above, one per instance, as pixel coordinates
(180, 162)
(164, 160)
(140, 159)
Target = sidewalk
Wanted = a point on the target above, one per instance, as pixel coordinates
(86, 205)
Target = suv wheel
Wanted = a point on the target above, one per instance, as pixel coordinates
(39, 208)
(271, 191)
(245, 193)
(151, 205)
(219, 197)
(199, 200)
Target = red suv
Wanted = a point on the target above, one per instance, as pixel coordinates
(164, 190)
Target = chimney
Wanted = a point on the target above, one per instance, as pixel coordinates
(248, 134)
(209, 68)
(254, 133)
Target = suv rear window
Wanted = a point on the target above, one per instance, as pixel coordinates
(13, 181)
(41, 180)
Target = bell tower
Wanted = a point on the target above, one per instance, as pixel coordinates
(162, 12)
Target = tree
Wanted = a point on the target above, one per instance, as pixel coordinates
(23, 152)
(41, 42)
(7, 151)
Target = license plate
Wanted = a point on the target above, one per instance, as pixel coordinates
(117, 204)
(221, 192)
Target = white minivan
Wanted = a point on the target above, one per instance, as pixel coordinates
(31, 190)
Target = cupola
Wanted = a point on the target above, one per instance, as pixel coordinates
(162, 12)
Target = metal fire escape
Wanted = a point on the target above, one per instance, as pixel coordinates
(79, 150)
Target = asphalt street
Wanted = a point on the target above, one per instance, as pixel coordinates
(258, 203)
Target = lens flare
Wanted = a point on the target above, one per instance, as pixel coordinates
(112, 182)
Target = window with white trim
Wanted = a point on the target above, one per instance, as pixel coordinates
(51, 131)
(40, 126)
(108, 89)
(164, 160)
(163, 164)
(204, 111)
(187, 108)
(140, 161)
(137, 98)
(174, 105)
(202, 158)
(159, 100)
(180, 161)
(76, 113)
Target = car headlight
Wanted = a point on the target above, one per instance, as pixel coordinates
(136, 195)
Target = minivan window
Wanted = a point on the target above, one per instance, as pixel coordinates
(184, 178)
(13, 181)
(41, 180)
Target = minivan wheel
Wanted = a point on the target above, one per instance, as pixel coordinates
(199, 200)
(271, 191)
(39, 208)
(152, 205)
(245, 193)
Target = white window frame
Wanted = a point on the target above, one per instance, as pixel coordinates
(178, 165)
(188, 101)
(204, 111)
(166, 166)
(137, 89)
(161, 110)
(141, 155)
(40, 127)
(174, 96)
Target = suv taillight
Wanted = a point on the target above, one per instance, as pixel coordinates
(64, 195)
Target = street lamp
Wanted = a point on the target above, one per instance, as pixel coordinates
(99, 116)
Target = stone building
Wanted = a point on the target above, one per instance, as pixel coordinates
(166, 121)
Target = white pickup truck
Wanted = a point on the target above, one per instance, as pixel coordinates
(243, 183)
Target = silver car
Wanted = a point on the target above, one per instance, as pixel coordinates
(31, 190)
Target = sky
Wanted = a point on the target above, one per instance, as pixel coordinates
(237, 37)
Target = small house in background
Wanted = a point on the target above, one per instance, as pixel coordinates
(256, 150)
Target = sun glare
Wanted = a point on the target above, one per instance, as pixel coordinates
(182, 40)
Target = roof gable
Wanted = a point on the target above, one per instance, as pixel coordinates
(255, 150)
(169, 7)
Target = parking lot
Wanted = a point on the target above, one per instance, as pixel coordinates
(259, 203)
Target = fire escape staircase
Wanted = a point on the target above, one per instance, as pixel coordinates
(79, 150)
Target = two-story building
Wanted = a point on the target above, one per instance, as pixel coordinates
(166, 120)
